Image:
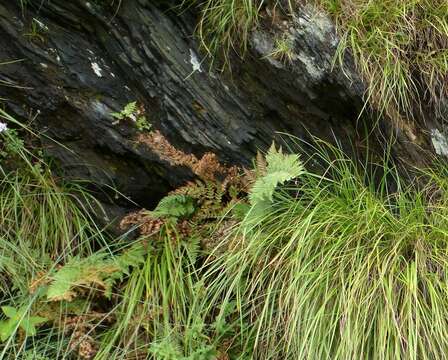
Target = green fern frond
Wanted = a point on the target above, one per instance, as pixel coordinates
(280, 168)
(175, 206)
(130, 109)
(94, 271)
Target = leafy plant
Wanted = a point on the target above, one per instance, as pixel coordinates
(96, 271)
(175, 206)
(18, 318)
(127, 112)
(135, 113)
(12, 144)
(279, 169)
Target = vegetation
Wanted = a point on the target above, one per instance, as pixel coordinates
(399, 45)
(283, 50)
(135, 114)
(337, 268)
(277, 262)
(225, 25)
(274, 263)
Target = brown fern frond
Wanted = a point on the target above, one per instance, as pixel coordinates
(261, 164)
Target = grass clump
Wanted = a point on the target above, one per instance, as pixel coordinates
(337, 269)
(43, 223)
(399, 46)
(278, 263)
(36, 209)
(225, 25)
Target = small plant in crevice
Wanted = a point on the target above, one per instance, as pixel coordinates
(283, 50)
(37, 31)
(134, 113)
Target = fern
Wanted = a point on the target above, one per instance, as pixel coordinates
(96, 271)
(279, 169)
(175, 206)
(166, 349)
(128, 111)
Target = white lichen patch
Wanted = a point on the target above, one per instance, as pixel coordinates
(97, 69)
(314, 71)
(316, 23)
(3, 127)
(100, 108)
(194, 61)
(440, 142)
(264, 45)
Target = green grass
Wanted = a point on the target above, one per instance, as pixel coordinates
(338, 269)
(155, 303)
(330, 266)
(38, 210)
(225, 25)
(43, 222)
(399, 46)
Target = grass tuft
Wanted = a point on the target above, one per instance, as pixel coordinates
(338, 268)
(225, 25)
(399, 46)
(305, 266)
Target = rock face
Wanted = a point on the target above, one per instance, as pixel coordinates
(78, 62)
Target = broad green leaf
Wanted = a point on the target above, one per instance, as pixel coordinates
(9, 311)
(28, 324)
(18, 318)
